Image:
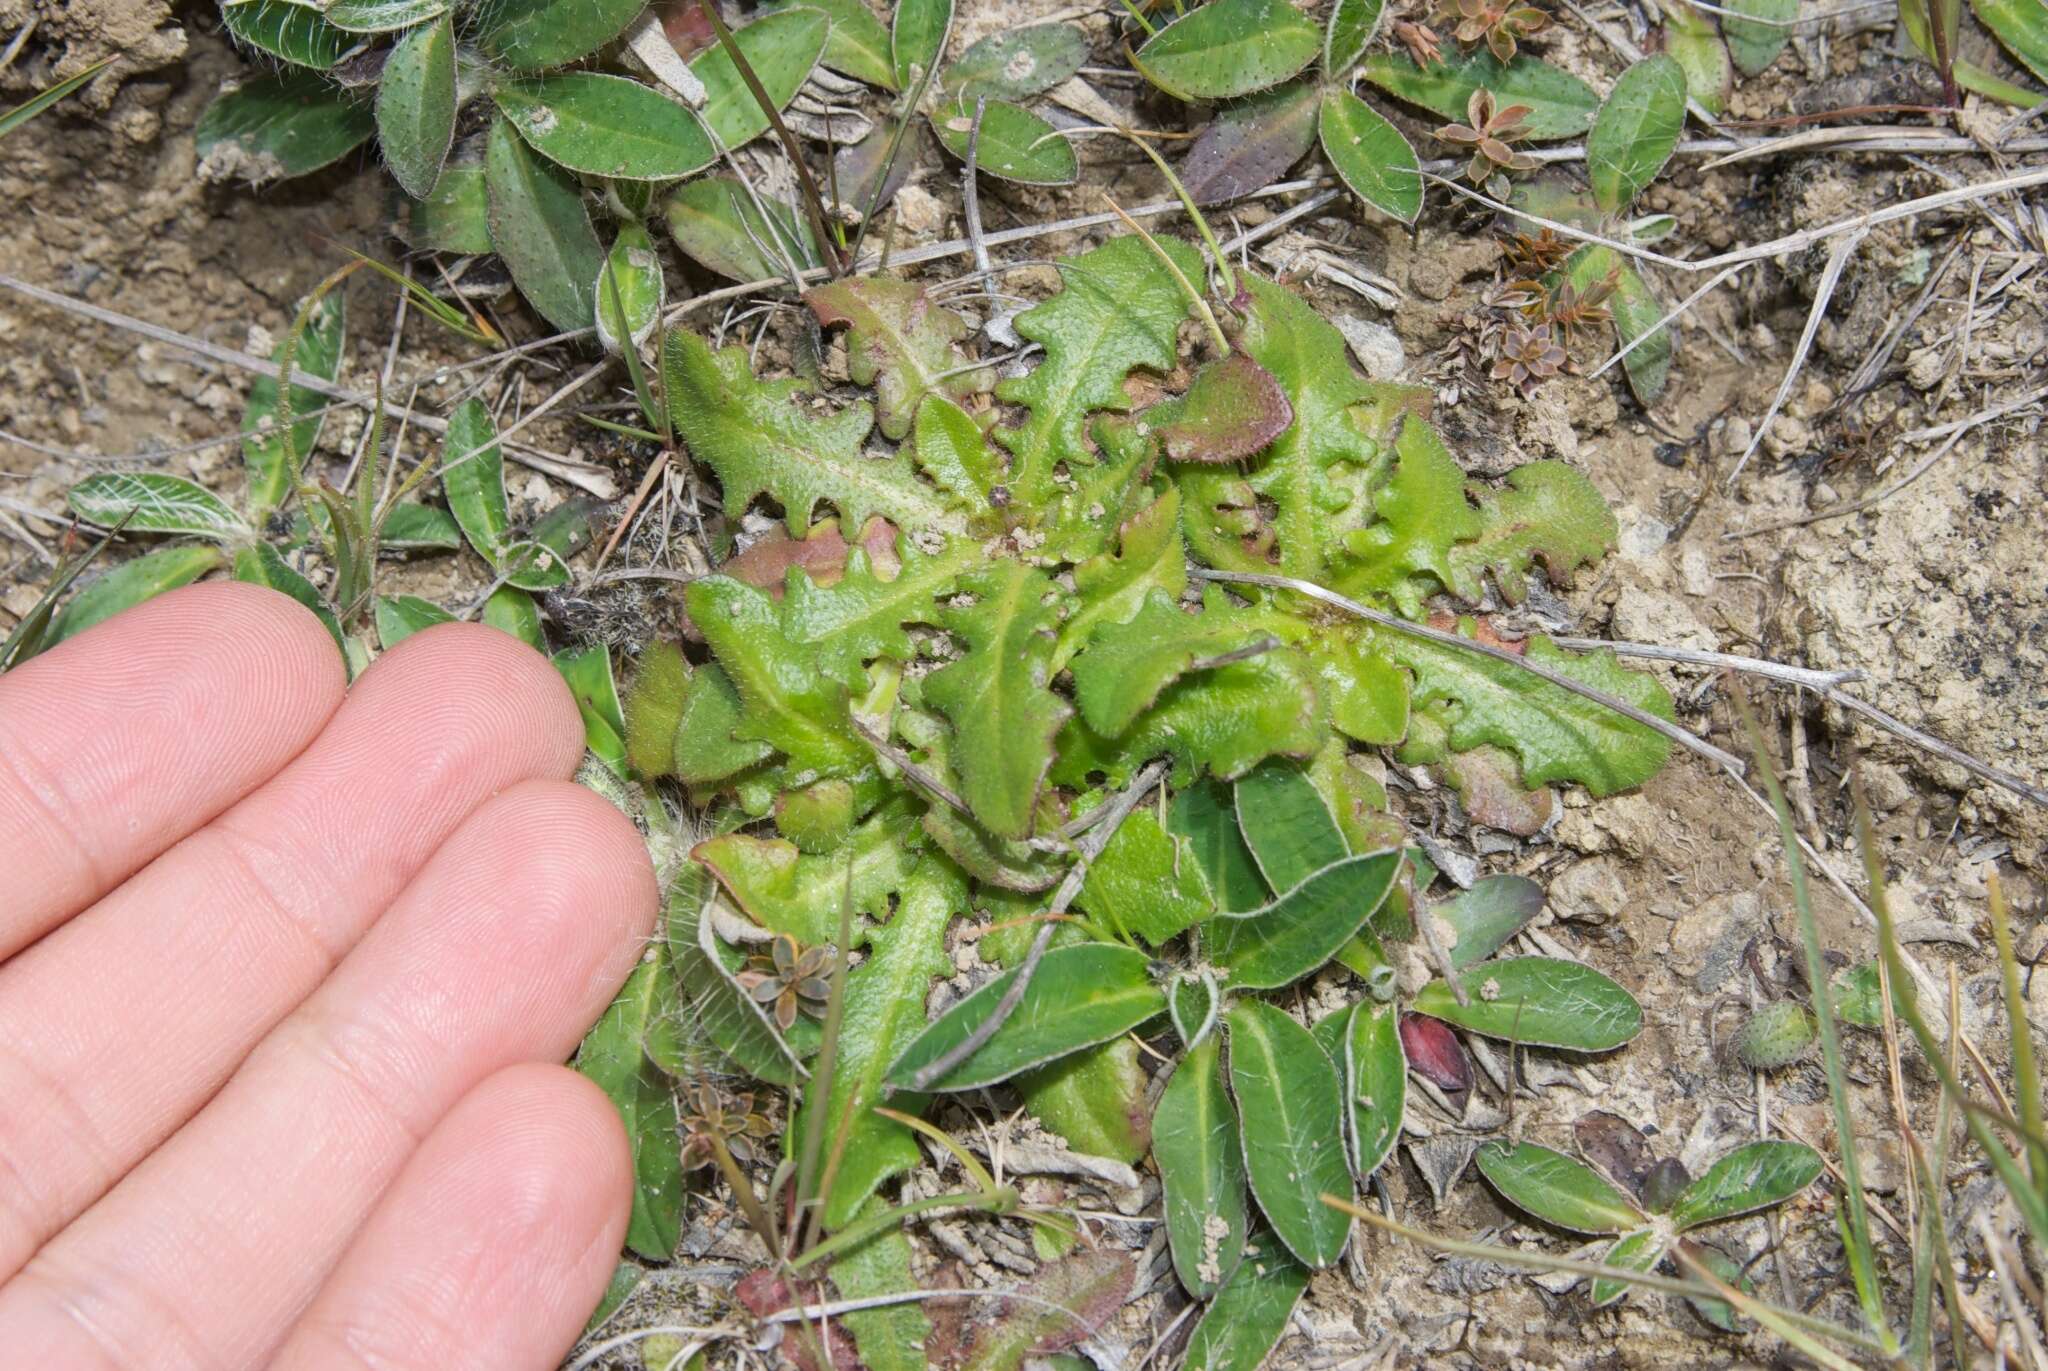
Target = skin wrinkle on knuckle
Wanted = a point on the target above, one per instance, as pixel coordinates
(35, 1094)
(49, 800)
(122, 1324)
(355, 1051)
(293, 903)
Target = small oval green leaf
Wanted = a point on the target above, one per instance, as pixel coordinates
(1015, 144)
(1290, 1109)
(1637, 1251)
(413, 527)
(589, 674)
(270, 128)
(512, 611)
(1560, 104)
(1016, 64)
(1636, 313)
(1758, 31)
(153, 502)
(1227, 48)
(473, 478)
(1286, 823)
(715, 222)
(1541, 1001)
(917, 38)
(532, 35)
(630, 290)
(129, 584)
(456, 217)
(1693, 42)
(1201, 1169)
(1205, 814)
(781, 48)
(1636, 131)
(1480, 920)
(1557, 1189)
(416, 106)
(1857, 995)
(1079, 996)
(1301, 930)
(1247, 1317)
(401, 616)
(1251, 143)
(2022, 25)
(383, 16)
(1370, 155)
(1375, 1083)
(1353, 23)
(614, 1055)
(261, 564)
(541, 229)
(606, 126)
(858, 45)
(1755, 1176)
(1194, 1005)
(288, 31)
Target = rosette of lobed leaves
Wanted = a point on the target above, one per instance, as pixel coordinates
(921, 708)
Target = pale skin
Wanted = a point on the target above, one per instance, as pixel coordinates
(287, 974)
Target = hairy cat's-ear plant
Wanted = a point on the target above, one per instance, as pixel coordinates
(984, 660)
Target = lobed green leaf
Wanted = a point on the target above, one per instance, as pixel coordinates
(901, 342)
(754, 437)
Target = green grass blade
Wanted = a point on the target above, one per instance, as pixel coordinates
(2026, 1078)
(1856, 1215)
(42, 100)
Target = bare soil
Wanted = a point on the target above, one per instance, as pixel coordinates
(1938, 595)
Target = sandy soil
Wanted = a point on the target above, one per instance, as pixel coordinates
(1937, 595)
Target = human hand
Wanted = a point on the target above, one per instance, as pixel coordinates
(285, 979)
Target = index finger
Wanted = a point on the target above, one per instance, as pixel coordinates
(119, 742)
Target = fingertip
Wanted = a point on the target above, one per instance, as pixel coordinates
(120, 741)
(472, 661)
(493, 1244)
(583, 868)
(560, 1139)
